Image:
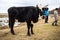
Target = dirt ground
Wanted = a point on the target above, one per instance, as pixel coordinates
(43, 31)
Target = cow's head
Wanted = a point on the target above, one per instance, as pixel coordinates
(39, 11)
(35, 15)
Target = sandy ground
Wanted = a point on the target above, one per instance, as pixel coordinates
(43, 31)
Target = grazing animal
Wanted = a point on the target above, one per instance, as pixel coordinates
(24, 14)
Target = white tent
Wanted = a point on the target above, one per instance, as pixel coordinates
(4, 22)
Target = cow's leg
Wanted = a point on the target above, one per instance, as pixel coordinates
(11, 25)
(28, 26)
(32, 29)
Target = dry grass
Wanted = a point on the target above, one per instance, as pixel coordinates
(3, 15)
(42, 32)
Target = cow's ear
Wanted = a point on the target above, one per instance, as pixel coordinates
(37, 6)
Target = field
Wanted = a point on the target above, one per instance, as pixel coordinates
(43, 31)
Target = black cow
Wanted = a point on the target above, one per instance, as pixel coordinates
(23, 14)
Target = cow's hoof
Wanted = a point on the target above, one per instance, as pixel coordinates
(28, 35)
(13, 33)
(32, 33)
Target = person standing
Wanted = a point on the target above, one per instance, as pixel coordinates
(46, 16)
(55, 17)
(44, 9)
(46, 13)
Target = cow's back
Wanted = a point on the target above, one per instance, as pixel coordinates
(20, 13)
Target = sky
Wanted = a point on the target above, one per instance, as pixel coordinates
(5, 4)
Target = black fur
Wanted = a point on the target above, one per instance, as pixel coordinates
(23, 14)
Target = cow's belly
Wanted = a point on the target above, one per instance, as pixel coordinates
(21, 19)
